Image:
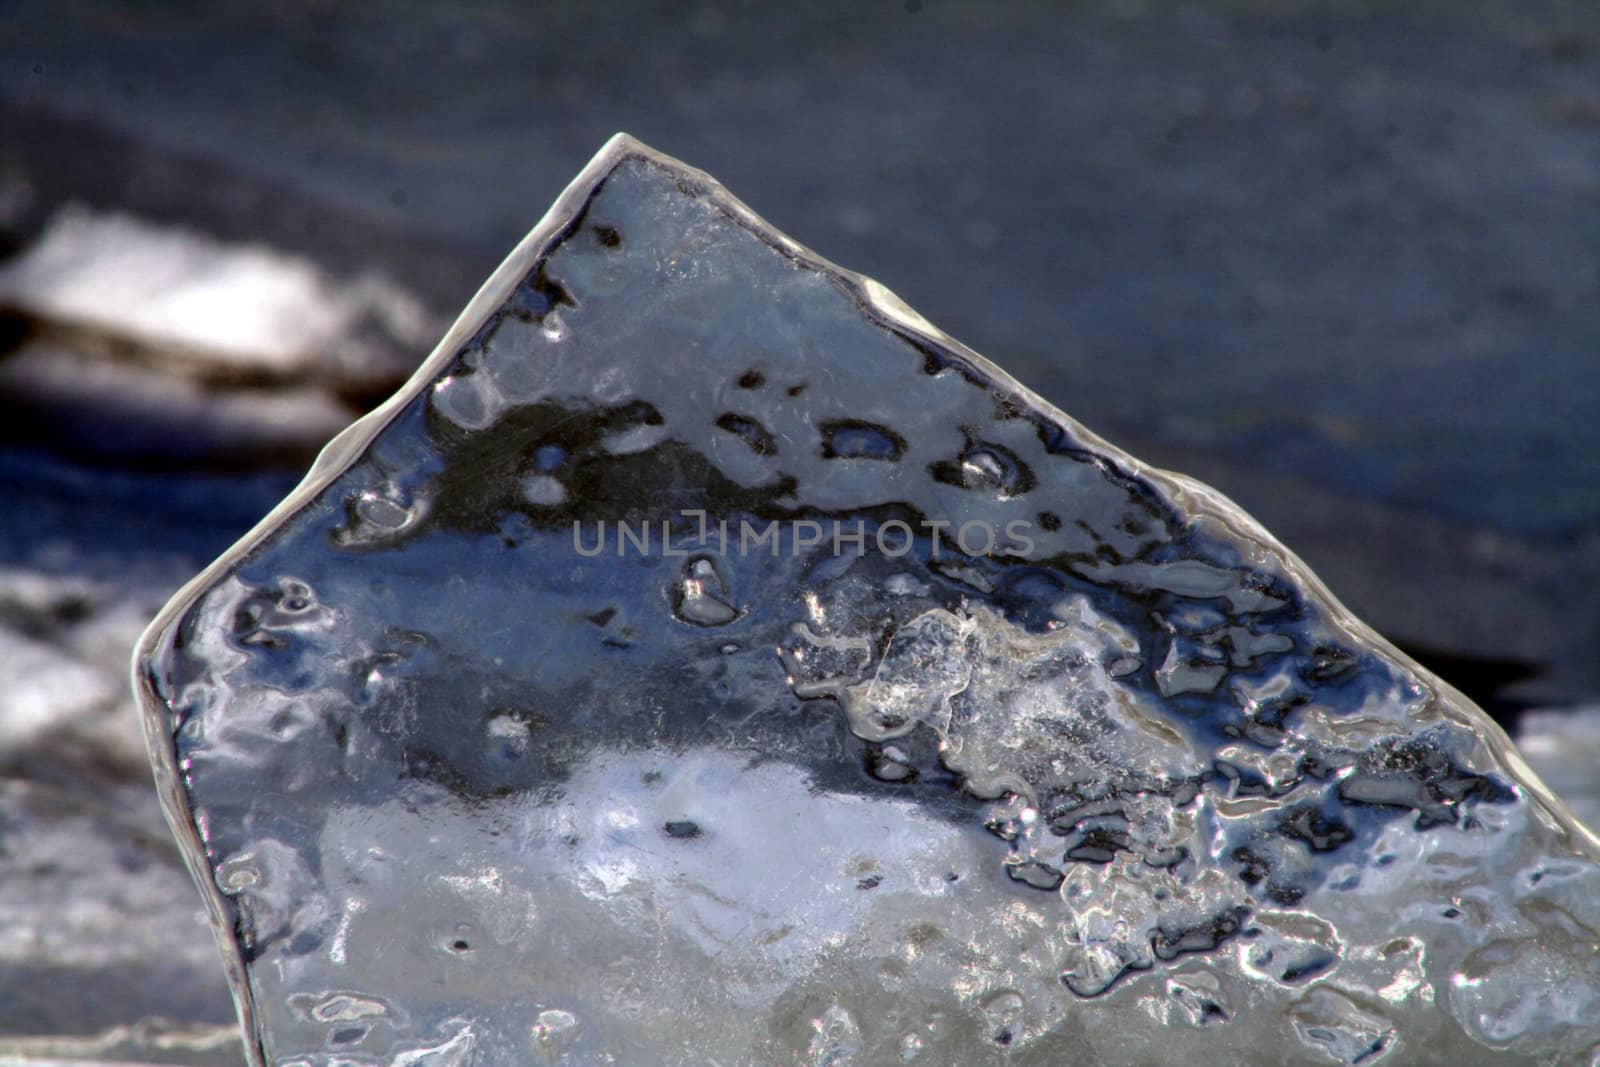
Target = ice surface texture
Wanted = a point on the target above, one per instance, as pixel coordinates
(706, 661)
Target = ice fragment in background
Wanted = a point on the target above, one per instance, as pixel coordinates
(227, 311)
(705, 660)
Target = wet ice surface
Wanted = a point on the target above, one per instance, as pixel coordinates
(706, 662)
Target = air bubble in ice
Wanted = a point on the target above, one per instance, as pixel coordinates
(555, 1031)
(701, 598)
(544, 491)
(837, 1042)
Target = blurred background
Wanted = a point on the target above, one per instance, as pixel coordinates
(1339, 259)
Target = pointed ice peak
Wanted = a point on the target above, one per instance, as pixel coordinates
(702, 659)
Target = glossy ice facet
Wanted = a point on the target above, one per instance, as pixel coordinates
(704, 660)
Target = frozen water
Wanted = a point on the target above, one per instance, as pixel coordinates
(706, 661)
(226, 312)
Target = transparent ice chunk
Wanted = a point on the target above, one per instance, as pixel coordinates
(704, 660)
